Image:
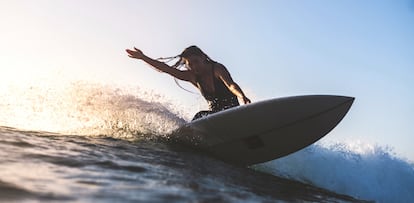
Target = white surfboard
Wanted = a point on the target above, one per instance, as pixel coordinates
(266, 130)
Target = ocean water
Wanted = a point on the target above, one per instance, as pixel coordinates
(83, 142)
(360, 170)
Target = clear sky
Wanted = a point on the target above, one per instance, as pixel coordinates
(272, 48)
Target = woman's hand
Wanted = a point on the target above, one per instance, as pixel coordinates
(246, 100)
(136, 53)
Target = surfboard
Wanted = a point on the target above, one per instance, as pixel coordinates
(266, 130)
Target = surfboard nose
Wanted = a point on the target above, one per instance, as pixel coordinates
(341, 100)
(347, 98)
(337, 97)
(328, 101)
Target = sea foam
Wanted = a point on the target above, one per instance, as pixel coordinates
(364, 171)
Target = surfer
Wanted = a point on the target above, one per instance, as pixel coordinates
(210, 77)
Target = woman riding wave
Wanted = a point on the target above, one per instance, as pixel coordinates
(210, 77)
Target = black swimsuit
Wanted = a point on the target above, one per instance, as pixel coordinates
(222, 98)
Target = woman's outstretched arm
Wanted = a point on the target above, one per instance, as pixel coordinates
(160, 66)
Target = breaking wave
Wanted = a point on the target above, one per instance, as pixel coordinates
(361, 170)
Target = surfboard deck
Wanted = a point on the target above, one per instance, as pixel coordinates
(266, 130)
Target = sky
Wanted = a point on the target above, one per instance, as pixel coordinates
(272, 48)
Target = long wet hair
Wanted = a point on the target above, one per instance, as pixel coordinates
(189, 51)
(180, 64)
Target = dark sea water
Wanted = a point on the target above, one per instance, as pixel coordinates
(41, 166)
(93, 143)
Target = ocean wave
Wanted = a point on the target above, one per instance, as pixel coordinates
(361, 170)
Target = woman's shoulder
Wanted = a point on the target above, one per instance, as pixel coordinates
(219, 68)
